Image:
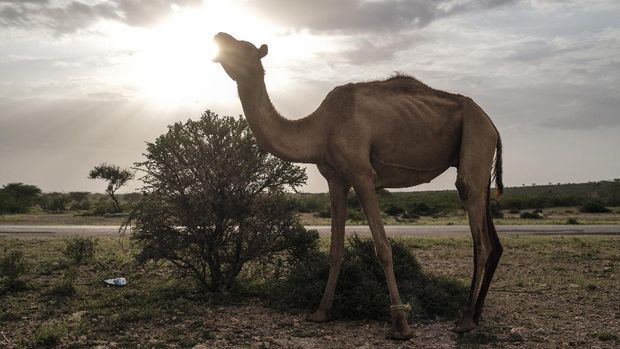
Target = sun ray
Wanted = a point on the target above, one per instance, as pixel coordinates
(173, 64)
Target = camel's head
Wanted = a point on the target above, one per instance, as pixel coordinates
(240, 59)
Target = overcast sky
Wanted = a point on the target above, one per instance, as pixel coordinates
(83, 82)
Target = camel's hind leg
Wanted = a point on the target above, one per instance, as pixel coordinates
(478, 144)
(474, 201)
(492, 261)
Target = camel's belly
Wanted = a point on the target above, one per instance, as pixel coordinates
(416, 135)
(390, 176)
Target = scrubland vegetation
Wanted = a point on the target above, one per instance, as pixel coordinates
(593, 203)
(548, 292)
(585, 203)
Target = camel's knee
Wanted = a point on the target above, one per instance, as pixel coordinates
(481, 249)
(384, 253)
(488, 251)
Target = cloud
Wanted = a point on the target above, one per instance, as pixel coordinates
(148, 12)
(373, 49)
(69, 17)
(370, 31)
(591, 112)
(364, 16)
(25, 1)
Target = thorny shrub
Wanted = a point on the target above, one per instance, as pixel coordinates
(213, 201)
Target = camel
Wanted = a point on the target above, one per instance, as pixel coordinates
(381, 134)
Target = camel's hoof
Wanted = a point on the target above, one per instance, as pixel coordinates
(318, 316)
(399, 335)
(464, 325)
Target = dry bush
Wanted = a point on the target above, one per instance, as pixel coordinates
(213, 200)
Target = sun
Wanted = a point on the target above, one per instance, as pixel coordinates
(173, 64)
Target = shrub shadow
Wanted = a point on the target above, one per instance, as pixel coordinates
(361, 292)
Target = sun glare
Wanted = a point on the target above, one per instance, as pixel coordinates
(212, 50)
(173, 64)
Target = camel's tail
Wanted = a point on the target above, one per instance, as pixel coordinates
(497, 168)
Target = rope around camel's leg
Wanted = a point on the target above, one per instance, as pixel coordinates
(404, 307)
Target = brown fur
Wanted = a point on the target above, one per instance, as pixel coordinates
(397, 132)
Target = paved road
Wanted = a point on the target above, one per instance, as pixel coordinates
(33, 231)
(429, 230)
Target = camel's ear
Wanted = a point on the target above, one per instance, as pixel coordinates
(262, 51)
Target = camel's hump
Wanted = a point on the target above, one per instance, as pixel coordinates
(396, 84)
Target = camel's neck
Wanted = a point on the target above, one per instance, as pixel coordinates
(291, 140)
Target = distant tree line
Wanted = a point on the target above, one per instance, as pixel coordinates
(24, 198)
(589, 197)
(21, 198)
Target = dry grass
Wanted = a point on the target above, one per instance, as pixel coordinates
(71, 218)
(557, 215)
(549, 292)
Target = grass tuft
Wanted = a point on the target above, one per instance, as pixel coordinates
(13, 267)
(606, 336)
(50, 334)
(80, 250)
(65, 287)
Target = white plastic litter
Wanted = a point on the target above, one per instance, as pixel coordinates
(116, 281)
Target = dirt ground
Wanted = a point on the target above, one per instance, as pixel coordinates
(549, 292)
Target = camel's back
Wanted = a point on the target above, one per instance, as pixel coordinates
(398, 97)
(402, 89)
(405, 121)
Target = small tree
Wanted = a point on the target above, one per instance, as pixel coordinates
(18, 197)
(214, 200)
(116, 178)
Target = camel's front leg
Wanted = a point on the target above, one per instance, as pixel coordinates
(365, 189)
(338, 191)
